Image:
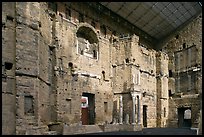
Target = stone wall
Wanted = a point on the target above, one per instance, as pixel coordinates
(55, 53)
(134, 71)
(8, 68)
(184, 52)
(162, 89)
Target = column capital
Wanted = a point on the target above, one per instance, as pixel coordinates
(135, 94)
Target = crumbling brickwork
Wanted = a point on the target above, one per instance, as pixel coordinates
(55, 54)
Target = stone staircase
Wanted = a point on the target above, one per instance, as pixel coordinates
(81, 129)
(40, 130)
(28, 125)
(92, 128)
(33, 128)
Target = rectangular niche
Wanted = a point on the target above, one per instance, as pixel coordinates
(28, 105)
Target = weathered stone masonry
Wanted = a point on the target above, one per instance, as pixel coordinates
(185, 82)
(8, 69)
(56, 53)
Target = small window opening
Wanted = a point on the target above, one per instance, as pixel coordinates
(103, 73)
(170, 73)
(143, 94)
(127, 60)
(94, 54)
(9, 18)
(70, 64)
(40, 25)
(184, 45)
(8, 65)
(164, 112)
(105, 107)
(82, 52)
(114, 40)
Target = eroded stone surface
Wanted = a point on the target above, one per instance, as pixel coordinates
(56, 59)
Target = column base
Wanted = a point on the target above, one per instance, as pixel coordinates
(136, 127)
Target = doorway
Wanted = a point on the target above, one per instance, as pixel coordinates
(145, 115)
(184, 117)
(88, 109)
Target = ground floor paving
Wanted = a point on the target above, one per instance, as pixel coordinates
(151, 131)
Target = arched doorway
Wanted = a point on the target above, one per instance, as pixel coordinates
(184, 117)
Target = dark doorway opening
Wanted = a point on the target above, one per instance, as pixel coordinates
(88, 111)
(145, 115)
(184, 117)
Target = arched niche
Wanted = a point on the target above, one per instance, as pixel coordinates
(87, 41)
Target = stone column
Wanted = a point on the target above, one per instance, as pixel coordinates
(133, 110)
(121, 109)
(127, 119)
(138, 114)
(133, 107)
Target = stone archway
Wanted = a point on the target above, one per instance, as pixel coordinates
(184, 117)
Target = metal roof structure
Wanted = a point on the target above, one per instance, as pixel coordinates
(157, 19)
